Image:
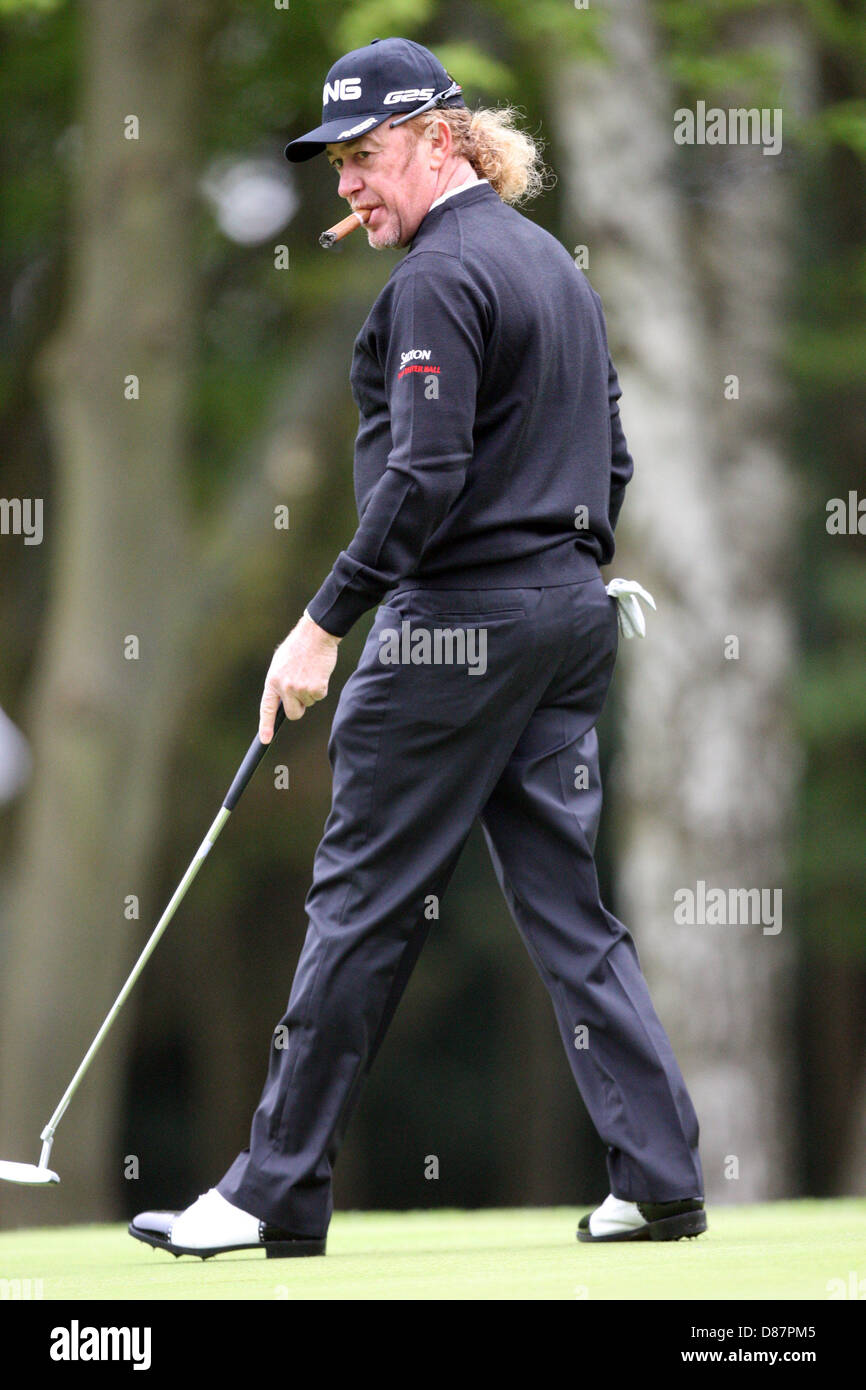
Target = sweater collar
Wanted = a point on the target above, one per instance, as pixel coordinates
(476, 192)
(470, 183)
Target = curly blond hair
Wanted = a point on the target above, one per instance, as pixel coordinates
(497, 150)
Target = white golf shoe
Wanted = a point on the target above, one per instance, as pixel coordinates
(619, 1220)
(213, 1226)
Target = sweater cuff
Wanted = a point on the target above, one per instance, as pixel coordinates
(336, 609)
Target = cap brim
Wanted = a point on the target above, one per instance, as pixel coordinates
(332, 133)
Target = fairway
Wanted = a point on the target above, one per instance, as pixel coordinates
(783, 1250)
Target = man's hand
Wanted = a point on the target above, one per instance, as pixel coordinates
(298, 675)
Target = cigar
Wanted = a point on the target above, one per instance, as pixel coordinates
(341, 229)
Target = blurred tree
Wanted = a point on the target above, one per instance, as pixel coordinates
(690, 247)
(116, 380)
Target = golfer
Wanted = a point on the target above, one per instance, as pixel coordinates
(490, 468)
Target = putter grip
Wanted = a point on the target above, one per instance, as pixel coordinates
(255, 753)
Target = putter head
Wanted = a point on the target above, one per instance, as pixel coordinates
(27, 1173)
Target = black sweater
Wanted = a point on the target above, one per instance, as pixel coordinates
(488, 417)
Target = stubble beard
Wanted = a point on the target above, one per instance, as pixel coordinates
(386, 240)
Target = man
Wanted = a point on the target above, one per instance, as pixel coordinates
(490, 468)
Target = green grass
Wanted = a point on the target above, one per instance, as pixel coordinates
(786, 1250)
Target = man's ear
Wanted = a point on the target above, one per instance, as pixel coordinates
(441, 143)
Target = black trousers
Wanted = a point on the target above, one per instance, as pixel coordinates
(418, 751)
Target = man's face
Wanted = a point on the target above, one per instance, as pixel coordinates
(386, 170)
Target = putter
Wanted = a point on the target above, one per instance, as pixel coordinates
(40, 1175)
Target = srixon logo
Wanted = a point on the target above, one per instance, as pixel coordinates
(414, 355)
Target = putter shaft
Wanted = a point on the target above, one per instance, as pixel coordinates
(47, 1134)
(254, 755)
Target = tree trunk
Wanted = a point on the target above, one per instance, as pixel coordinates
(708, 762)
(100, 718)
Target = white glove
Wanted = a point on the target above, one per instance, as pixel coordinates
(629, 613)
(15, 759)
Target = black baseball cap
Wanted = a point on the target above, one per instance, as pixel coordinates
(389, 77)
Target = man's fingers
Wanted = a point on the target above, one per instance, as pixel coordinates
(268, 712)
(293, 707)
